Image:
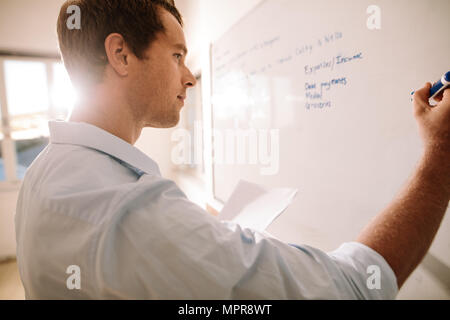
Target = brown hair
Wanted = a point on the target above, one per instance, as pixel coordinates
(83, 50)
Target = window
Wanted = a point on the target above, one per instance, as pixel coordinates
(26, 87)
(27, 97)
(27, 150)
(32, 92)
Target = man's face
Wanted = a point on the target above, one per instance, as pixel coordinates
(157, 84)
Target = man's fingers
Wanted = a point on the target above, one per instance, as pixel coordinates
(420, 99)
(444, 94)
(438, 98)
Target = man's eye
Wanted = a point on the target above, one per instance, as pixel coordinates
(179, 56)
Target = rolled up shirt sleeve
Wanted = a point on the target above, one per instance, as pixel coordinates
(359, 272)
(367, 272)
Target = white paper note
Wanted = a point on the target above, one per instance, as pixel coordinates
(254, 206)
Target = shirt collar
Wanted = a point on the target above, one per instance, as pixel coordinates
(88, 135)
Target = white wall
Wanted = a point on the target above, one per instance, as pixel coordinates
(206, 20)
(29, 25)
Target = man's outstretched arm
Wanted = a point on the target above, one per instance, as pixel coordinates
(404, 231)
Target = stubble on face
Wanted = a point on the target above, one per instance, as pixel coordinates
(156, 83)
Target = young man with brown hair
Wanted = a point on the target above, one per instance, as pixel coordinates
(95, 219)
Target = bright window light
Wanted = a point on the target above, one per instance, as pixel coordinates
(26, 87)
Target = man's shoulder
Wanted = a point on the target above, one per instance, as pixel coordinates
(70, 180)
(76, 167)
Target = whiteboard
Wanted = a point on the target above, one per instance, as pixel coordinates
(335, 97)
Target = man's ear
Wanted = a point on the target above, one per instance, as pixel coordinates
(118, 53)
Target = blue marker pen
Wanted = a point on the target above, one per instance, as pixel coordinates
(439, 86)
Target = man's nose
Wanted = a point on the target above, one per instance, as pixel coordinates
(190, 81)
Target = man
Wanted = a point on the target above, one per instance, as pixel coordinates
(95, 219)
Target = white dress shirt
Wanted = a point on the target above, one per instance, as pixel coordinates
(93, 201)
